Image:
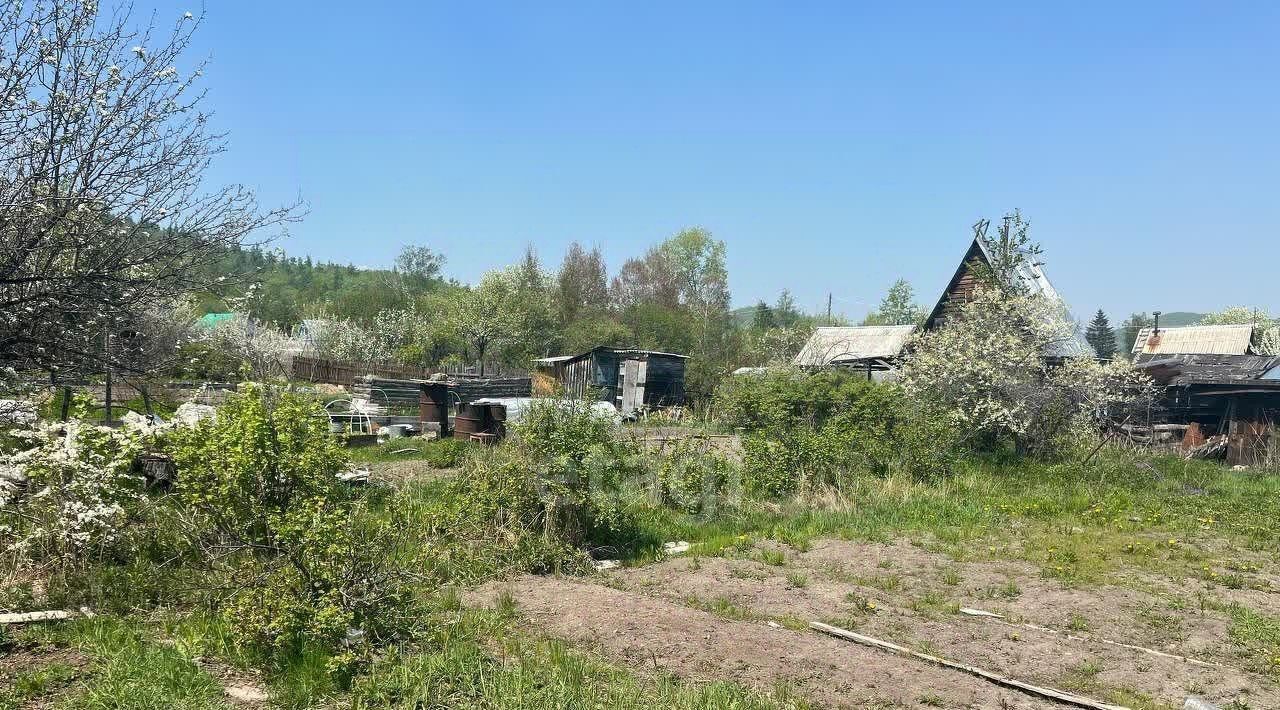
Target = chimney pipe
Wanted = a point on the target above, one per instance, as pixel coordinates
(1156, 330)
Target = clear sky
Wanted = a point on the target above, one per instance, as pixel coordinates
(832, 146)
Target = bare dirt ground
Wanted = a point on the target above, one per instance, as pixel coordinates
(240, 688)
(743, 619)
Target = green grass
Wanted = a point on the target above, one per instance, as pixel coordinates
(480, 662)
(773, 558)
(439, 453)
(129, 668)
(33, 684)
(1078, 523)
(1258, 636)
(467, 658)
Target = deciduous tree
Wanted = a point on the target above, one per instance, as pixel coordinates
(898, 307)
(105, 210)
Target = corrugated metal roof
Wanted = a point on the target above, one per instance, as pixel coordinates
(637, 351)
(835, 345)
(1196, 340)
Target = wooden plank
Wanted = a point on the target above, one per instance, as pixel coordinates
(35, 616)
(1049, 693)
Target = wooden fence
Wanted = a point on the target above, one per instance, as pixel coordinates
(342, 372)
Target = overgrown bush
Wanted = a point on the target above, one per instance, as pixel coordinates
(809, 429)
(445, 453)
(538, 500)
(305, 559)
(695, 479)
(992, 369)
(66, 491)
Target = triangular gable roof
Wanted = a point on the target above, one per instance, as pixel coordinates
(1032, 277)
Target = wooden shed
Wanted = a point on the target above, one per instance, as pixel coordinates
(630, 379)
(1233, 397)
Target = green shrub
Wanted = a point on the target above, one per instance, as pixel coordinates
(693, 478)
(535, 502)
(306, 558)
(445, 453)
(803, 430)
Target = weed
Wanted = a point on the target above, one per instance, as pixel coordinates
(797, 580)
(1077, 623)
(934, 603)
(29, 685)
(861, 604)
(747, 573)
(722, 607)
(885, 583)
(774, 558)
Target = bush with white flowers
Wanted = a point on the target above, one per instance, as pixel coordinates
(986, 368)
(67, 488)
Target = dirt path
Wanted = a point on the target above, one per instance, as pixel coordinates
(647, 633)
(710, 618)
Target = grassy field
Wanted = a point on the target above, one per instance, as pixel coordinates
(1123, 520)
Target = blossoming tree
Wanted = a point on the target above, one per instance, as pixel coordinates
(104, 210)
(987, 368)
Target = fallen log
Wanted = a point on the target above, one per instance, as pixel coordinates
(1049, 693)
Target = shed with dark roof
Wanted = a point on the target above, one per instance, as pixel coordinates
(1231, 396)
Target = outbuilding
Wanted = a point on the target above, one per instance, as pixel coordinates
(629, 378)
(1234, 399)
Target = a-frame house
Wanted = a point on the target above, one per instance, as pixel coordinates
(966, 280)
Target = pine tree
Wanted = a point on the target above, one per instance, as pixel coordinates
(1101, 336)
(763, 318)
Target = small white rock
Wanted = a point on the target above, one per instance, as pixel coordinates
(245, 693)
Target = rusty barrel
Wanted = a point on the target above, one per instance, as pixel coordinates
(471, 419)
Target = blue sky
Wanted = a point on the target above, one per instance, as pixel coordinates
(832, 146)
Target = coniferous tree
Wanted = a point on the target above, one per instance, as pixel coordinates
(1101, 336)
(763, 318)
